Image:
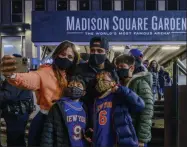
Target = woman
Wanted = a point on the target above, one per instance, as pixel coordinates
(154, 69)
(48, 82)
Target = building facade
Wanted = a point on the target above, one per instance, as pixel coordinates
(15, 17)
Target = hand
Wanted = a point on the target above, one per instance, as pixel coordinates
(115, 88)
(88, 135)
(140, 144)
(8, 65)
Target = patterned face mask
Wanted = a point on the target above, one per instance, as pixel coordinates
(74, 92)
(103, 86)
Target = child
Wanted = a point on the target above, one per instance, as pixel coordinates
(112, 122)
(66, 120)
(140, 83)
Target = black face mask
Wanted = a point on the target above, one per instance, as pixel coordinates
(74, 92)
(137, 63)
(97, 59)
(63, 63)
(123, 73)
(85, 56)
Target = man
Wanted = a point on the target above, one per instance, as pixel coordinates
(141, 84)
(99, 47)
(138, 55)
(146, 63)
(164, 80)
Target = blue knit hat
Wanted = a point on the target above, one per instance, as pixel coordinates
(136, 52)
(17, 55)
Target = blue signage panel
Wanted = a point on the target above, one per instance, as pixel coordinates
(80, 26)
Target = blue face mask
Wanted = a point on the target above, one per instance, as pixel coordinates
(123, 73)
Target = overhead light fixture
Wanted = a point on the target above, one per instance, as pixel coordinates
(19, 29)
(170, 47)
(78, 48)
(118, 48)
(8, 46)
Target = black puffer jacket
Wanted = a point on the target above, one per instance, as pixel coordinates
(55, 132)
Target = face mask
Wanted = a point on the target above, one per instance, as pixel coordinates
(97, 59)
(74, 93)
(102, 87)
(123, 73)
(63, 63)
(137, 63)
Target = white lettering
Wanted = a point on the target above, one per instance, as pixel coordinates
(70, 23)
(154, 24)
(101, 26)
(184, 24)
(172, 24)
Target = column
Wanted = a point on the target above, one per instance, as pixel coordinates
(28, 43)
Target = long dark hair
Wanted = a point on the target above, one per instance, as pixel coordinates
(61, 47)
(150, 65)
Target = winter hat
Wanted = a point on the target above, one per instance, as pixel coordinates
(136, 53)
(101, 42)
(17, 55)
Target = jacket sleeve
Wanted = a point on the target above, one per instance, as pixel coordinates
(48, 130)
(143, 128)
(135, 103)
(29, 81)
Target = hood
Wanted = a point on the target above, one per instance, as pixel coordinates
(147, 76)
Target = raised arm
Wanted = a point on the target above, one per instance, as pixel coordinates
(135, 103)
(30, 81)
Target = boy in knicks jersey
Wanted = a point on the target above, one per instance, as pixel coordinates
(112, 122)
(66, 120)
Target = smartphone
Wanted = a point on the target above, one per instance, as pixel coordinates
(22, 64)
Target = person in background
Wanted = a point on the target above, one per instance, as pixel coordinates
(112, 121)
(67, 119)
(164, 80)
(99, 47)
(48, 82)
(16, 105)
(84, 57)
(146, 63)
(154, 69)
(141, 84)
(138, 55)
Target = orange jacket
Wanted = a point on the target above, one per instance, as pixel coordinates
(43, 82)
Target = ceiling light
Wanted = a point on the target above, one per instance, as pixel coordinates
(118, 48)
(19, 29)
(78, 48)
(8, 46)
(168, 47)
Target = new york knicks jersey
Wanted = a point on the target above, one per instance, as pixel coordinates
(103, 127)
(75, 121)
